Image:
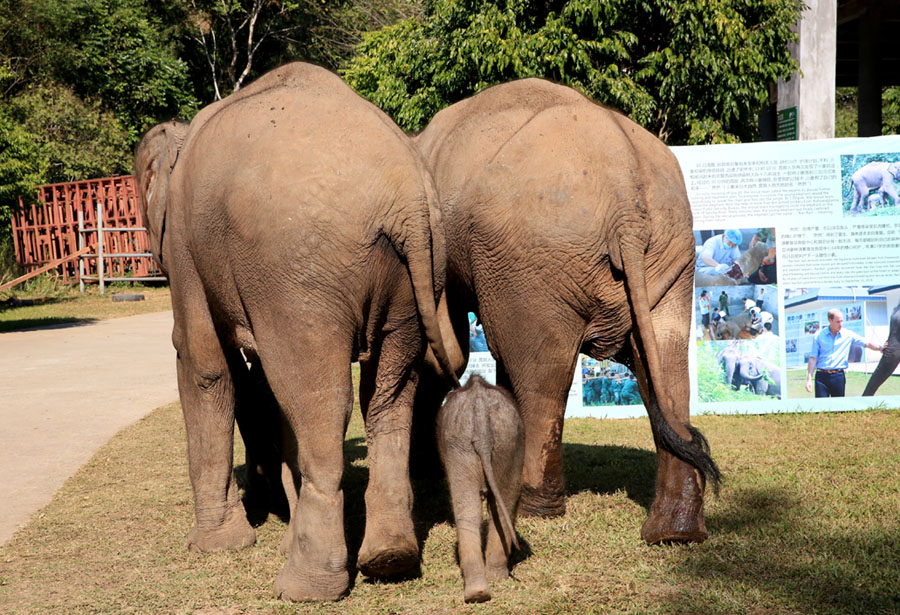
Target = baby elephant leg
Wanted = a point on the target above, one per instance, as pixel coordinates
(481, 440)
(501, 539)
(464, 477)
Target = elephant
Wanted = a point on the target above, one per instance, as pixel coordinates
(726, 330)
(878, 176)
(890, 356)
(748, 262)
(480, 437)
(730, 358)
(749, 320)
(569, 230)
(299, 229)
(745, 369)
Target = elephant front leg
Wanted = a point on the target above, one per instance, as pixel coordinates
(207, 400)
(389, 546)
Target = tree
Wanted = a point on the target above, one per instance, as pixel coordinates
(691, 71)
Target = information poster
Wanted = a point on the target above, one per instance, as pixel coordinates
(788, 235)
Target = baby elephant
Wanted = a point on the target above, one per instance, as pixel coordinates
(481, 440)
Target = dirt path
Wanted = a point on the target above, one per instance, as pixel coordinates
(64, 391)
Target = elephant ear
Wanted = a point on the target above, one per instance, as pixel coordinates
(154, 160)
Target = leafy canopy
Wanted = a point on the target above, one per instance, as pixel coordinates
(691, 71)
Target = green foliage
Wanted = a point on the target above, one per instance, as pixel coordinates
(75, 138)
(691, 71)
(845, 116)
(113, 51)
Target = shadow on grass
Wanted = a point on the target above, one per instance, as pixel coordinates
(608, 469)
(764, 541)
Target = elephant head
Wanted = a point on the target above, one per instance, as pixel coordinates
(154, 160)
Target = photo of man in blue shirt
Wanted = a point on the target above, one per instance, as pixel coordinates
(830, 356)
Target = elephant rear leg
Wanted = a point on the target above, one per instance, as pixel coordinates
(540, 379)
(311, 381)
(508, 470)
(465, 478)
(676, 514)
(387, 390)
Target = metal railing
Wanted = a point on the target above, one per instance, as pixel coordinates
(100, 255)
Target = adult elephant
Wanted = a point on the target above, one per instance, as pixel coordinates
(569, 230)
(297, 226)
(890, 357)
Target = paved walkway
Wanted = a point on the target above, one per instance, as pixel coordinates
(64, 391)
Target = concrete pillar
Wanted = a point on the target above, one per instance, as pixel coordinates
(812, 94)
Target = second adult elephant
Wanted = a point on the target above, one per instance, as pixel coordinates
(569, 230)
(890, 358)
(294, 222)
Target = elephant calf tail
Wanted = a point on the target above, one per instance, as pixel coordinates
(630, 259)
(482, 442)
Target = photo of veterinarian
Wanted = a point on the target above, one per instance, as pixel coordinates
(735, 257)
(742, 312)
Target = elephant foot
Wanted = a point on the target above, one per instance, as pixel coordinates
(305, 583)
(675, 522)
(477, 591)
(235, 533)
(545, 502)
(390, 557)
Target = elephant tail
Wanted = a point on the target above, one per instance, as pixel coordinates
(483, 443)
(695, 451)
(421, 243)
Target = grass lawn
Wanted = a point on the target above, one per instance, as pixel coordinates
(856, 384)
(808, 522)
(63, 304)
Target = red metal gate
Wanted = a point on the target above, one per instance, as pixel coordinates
(48, 230)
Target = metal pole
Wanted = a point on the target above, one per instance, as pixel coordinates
(100, 246)
(81, 247)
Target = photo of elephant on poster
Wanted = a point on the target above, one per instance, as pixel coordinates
(742, 370)
(868, 184)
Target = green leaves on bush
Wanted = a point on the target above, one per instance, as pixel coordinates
(692, 71)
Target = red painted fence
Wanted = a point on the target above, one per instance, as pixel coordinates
(48, 230)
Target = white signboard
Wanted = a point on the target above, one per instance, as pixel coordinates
(817, 225)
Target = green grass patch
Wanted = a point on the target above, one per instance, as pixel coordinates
(856, 384)
(808, 522)
(47, 303)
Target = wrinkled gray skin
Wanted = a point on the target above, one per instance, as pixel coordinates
(481, 441)
(874, 176)
(749, 262)
(298, 226)
(569, 230)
